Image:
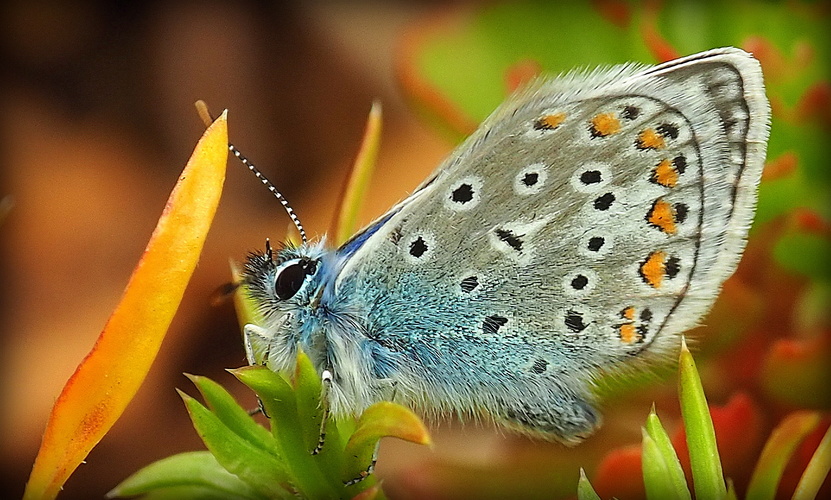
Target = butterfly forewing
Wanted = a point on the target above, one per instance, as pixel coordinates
(592, 218)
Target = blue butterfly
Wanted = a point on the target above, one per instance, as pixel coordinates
(587, 224)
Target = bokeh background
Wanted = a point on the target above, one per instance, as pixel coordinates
(98, 121)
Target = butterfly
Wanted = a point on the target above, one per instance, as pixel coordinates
(586, 224)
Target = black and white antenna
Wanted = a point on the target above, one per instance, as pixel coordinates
(202, 109)
(267, 183)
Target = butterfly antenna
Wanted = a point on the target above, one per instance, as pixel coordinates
(267, 183)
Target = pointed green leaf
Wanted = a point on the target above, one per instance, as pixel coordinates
(274, 391)
(708, 477)
(249, 462)
(656, 475)
(778, 450)
(308, 390)
(225, 407)
(675, 473)
(280, 404)
(816, 471)
(191, 493)
(584, 488)
(380, 420)
(195, 471)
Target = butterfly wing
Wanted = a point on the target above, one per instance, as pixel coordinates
(587, 223)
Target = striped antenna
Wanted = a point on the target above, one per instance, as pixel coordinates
(271, 188)
(205, 115)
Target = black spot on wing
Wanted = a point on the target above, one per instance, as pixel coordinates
(596, 243)
(514, 241)
(418, 247)
(462, 194)
(539, 366)
(492, 324)
(469, 284)
(574, 321)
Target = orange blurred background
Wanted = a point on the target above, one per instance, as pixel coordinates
(98, 121)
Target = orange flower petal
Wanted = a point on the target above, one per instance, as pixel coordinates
(619, 474)
(796, 371)
(108, 378)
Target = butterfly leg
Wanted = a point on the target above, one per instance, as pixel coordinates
(255, 334)
(366, 472)
(257, 344)
(326, 384)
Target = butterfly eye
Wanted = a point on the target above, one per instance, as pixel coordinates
(290, 278)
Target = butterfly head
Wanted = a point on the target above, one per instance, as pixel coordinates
(284, 279)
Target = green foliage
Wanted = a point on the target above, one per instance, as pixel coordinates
(664, 478)
(246, 461)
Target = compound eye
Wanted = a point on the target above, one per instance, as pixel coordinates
(290, 278)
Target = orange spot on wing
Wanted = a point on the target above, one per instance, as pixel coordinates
(662, 216)
(665, 174)
(550, 122)
(650, 139)
(628, 313)
(653, 269)
(628, 334)
(605, 124)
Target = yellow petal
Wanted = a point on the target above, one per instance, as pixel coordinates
(108, 378)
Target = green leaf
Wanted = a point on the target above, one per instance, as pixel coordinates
(250, 463)
(778, 450)
(708, 477)
(308, 391)
(663, 446)
(584, 488)
(223, 405)
(383, 419)
(190, 474)
(656, 475)
(280, 403)
(190, 493)
(816, 471)
(275, 393)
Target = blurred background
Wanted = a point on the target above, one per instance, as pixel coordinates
(98, 121)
